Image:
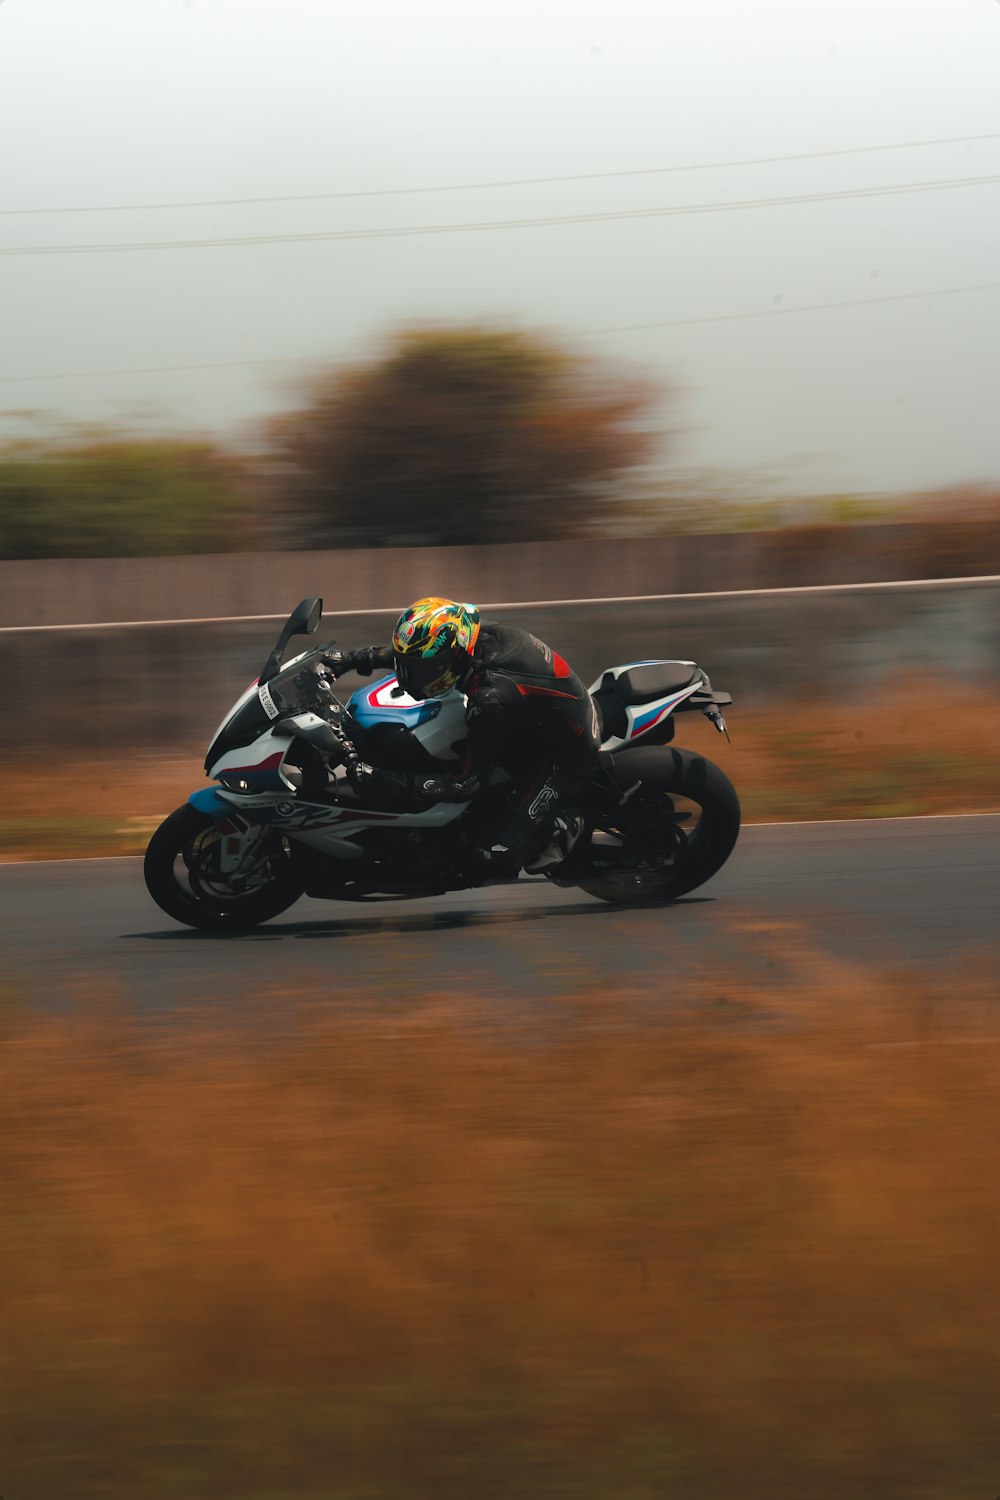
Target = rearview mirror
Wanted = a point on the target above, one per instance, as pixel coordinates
(303, 620)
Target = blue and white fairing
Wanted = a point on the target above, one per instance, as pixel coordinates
(438, 723)
(642, 717)
(264, 796)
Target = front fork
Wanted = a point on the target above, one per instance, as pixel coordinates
(238, 834)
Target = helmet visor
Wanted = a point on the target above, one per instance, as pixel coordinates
(427, 676)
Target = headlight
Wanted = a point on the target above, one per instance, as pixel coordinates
(240, 784)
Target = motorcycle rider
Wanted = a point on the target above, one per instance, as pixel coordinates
(527, 713)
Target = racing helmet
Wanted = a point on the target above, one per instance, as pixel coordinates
(433, 644)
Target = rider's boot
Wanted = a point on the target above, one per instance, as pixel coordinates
(566, 830)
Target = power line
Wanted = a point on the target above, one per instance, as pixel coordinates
(466, 187)
(777, 312)
(478, 226)
(770, 312)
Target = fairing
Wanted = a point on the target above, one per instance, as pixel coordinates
(438, 724)
(641, 718)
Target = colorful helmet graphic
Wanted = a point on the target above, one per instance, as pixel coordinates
(433, 644)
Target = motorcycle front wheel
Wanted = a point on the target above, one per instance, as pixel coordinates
(673, 832)
(183, 875)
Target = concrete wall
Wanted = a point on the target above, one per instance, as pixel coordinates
(118, 691)
(92, 590)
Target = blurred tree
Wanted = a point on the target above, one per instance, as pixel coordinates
(460, 435)
(104, 495)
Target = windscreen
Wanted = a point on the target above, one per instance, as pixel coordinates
(290, 691)
(295, 688)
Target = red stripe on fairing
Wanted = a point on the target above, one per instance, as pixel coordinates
(380, 687)
(560, 667)
(639, 729)
(271, 764)
(540, 692)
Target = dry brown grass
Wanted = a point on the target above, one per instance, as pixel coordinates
(750, 1249)
(921, 750)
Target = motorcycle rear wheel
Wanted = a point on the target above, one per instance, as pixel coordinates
(183, 877)
(676, 830)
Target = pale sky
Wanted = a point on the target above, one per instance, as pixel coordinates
(115, 108)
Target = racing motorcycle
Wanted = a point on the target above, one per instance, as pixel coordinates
(292, 810)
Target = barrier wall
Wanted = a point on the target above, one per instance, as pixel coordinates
(118, 691)
(91, 590)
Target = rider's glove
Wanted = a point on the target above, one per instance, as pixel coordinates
(336, 662)
(447, 788)
(364, 660)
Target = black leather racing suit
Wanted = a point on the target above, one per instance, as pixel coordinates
(530, 715)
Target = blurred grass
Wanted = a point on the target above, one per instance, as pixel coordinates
(70, 835)
(749, 1248)
(788, 761)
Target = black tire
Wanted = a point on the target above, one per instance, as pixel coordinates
(663, 856)
(180, 879)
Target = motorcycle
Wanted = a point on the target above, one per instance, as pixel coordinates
(291, 811)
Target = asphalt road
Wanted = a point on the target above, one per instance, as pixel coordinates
(922, 893)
